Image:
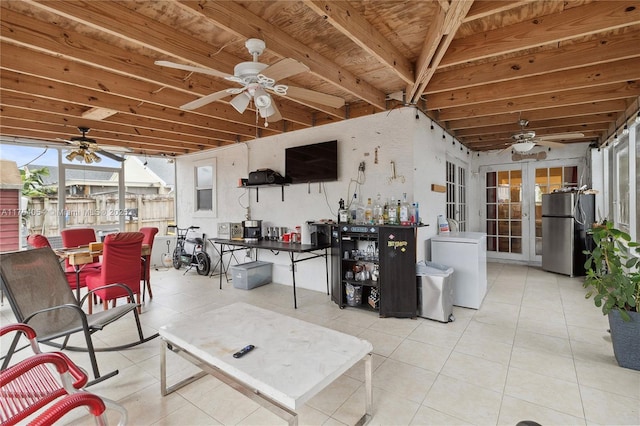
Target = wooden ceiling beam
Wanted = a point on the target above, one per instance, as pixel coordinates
(439, 37)
(27, 128)
(344, 18)
(599, 121)
(559, 98)
(238, 20)
(579, 78)
(605, 108)
(48, 89)
(486, 8)
(115, 18)
(602, 50)
(28, 33)
(575, 22)
(120, 127)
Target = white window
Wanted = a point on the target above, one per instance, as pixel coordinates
(204, 188)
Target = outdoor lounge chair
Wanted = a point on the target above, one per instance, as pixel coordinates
(40, 296)
(32, 391)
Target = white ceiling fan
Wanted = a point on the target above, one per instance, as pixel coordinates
(525, 140)
(87, 149)
(258, 82)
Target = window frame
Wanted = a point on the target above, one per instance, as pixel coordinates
(213, 188)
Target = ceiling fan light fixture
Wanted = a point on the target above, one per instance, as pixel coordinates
(241, 102)
(267, 112)
(525, 146)
(71, 156)
(261, 98)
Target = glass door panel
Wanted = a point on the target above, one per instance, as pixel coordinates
(504, 211)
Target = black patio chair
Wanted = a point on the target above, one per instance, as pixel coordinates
(40, 296)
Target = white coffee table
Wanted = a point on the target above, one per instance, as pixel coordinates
(292, 361)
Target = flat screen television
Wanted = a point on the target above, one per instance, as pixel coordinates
(317, 162)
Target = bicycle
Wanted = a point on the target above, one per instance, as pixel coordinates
(190, 250)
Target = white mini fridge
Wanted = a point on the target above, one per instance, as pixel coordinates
(466, 253)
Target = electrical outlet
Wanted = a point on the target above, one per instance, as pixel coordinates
(361, 167)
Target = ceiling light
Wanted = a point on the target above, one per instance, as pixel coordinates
(241, 102)
(261, 98)
(523, 146)
(71, 156)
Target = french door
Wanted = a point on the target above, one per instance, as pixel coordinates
(512, 198)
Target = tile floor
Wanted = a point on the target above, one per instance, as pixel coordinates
(535, 350)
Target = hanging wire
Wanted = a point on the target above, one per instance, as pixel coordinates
(43, 152)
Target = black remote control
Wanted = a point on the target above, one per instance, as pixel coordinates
(243, 351)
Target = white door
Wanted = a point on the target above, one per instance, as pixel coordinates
(513, 205)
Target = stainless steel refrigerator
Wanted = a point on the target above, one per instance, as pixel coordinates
(566, 218)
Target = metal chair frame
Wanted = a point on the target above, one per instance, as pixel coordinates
(61, 320)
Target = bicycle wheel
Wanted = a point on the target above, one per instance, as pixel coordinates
(203, 263)
(177, 261)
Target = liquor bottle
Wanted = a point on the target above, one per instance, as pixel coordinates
(398, 213)
(404, 211)
(385, 213)
(353, 209)
(368, 213)
(343, 214)
(360, 213)
(392, 213)
(378, 212)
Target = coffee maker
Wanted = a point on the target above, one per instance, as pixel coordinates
(252, 230)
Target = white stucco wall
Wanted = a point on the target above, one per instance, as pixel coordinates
(418, 152)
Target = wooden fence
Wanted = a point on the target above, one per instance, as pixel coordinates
(100, 212)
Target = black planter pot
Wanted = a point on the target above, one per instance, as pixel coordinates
(625, 336)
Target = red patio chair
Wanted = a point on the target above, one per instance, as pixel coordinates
(76, 237)
(31, 387)
(145, 272)
(120, 265)
(39, 241)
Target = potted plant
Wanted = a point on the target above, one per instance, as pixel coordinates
(613, 279)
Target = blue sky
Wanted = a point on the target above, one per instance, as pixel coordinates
(41, 156)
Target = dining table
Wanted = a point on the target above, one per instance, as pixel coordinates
(82, 255)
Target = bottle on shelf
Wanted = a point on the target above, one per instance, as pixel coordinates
(360, 220)
(398, 213)
(378, 212)
(385, 213)
(353, 208)
(343, 214)
(392, 213)
(368, 213)
(405, 211)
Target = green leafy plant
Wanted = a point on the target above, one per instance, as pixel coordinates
(612, 277)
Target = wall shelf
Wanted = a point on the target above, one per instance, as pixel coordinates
(266, 185)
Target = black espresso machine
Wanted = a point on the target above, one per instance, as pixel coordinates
(252, 230)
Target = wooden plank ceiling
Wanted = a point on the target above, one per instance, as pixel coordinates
(476, 68)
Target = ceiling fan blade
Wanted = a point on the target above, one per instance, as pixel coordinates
(562, 136)
(316, 97)
(284, 68)
(110, 155)
(205, 100)
(190, 68)
(505, 149)
(276, 116)
(550, 144)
